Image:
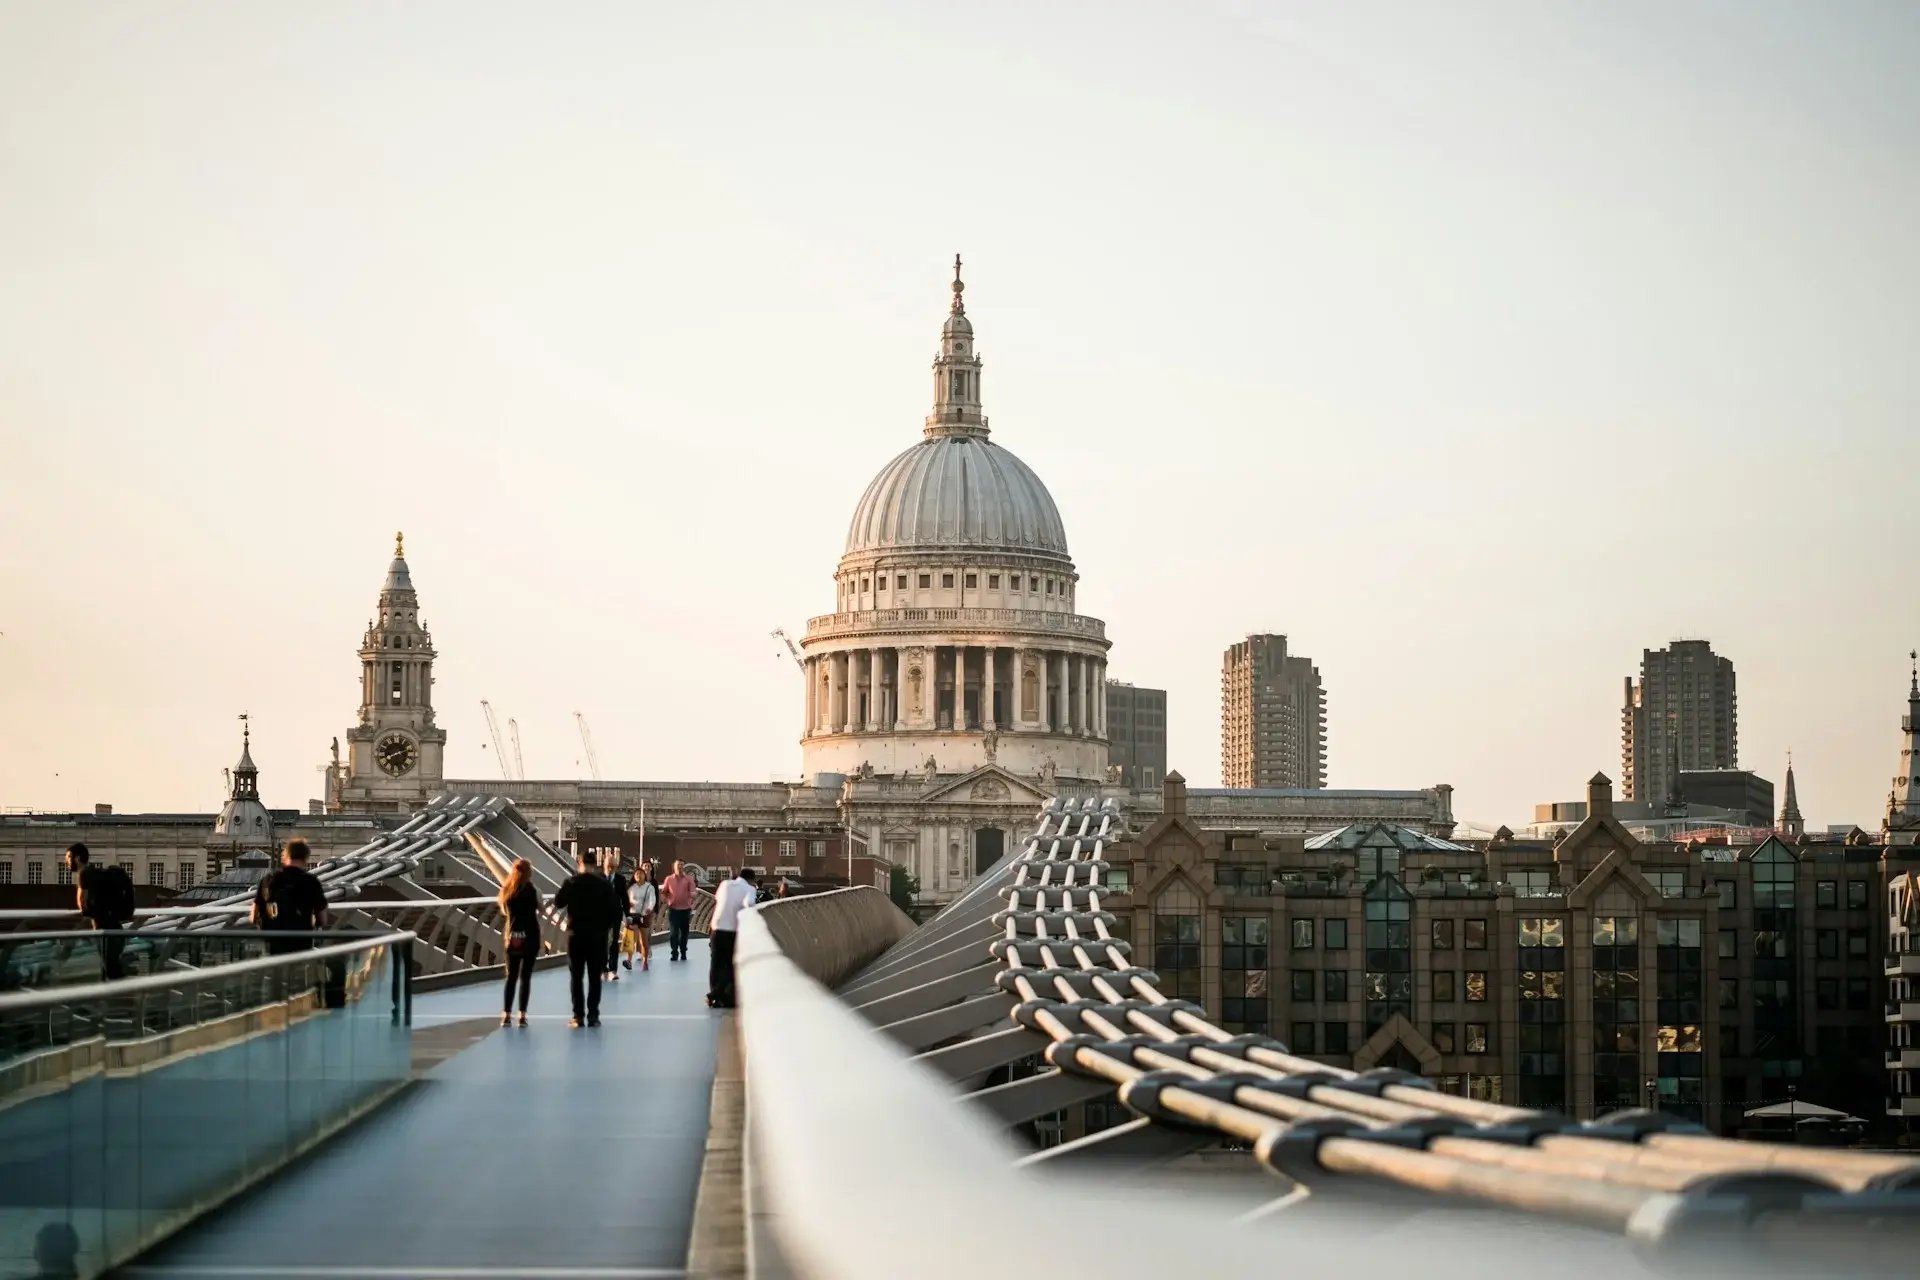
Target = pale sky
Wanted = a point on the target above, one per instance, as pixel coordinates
(1474, 347)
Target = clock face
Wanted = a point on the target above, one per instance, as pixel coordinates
(396, 754)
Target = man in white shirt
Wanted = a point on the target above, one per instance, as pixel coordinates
(729, 900)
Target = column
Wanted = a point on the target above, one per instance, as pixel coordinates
(806, 697)
(877, 700)
(856, 717)
(1086, 693)
(1066, 695)
(836, 692)
(986, 693)
(1014, 706)
(1100, 697)
(1045, 665)
(900, 688)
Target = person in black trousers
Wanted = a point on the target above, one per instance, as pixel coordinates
(591, 909)
(521, 903)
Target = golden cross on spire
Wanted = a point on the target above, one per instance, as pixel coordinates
(399, 545)
(246, 729)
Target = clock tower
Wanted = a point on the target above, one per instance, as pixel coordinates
(396, 755)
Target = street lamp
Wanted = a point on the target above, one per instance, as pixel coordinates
(1652, 1085)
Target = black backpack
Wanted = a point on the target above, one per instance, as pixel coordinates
(110, 895)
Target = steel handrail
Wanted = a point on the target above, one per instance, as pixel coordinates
(14, 1000)
(231, 908)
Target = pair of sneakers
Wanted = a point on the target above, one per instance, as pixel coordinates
(506, 1019)
(576, 1024)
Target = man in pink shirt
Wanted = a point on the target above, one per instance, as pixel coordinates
(678, 891)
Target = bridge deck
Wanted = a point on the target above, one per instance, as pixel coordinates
(544, 1151)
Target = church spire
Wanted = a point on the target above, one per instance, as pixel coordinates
(1791, 824)
(246, 776)
(956, 372)
(1902, 824)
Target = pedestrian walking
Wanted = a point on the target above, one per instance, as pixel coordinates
(610, 866)
(642, 901)
(678, 891)
(591, 910)
(290, 901)
(729, 900)
(104, 895)
(520, 902)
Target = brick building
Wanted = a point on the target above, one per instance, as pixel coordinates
(1583, 975)
(808, 857)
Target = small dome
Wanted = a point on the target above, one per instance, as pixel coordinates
(957, 490)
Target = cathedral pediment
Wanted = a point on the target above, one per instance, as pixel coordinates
(989, 784)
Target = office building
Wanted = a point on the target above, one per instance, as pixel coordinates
(1136, 736)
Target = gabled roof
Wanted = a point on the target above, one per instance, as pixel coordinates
(1381, 835)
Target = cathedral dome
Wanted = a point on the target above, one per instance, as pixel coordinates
(957, 491)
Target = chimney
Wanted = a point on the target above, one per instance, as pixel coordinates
(1173, 795)
(103, 811)
(1599, 796)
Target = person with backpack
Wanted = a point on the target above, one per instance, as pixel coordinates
(290, 901)
(592, 912)
(104, 895)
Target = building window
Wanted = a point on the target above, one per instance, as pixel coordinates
(1856, 895)
(1243, 942)
(1117, 879)
(1176, 941)
(1302, 934)
(1856, 943)
(926, 580)
(1728, 893)
(1443, 986)
(1388, 981)
(1826, 993)
(1334, 934)
(1826, 893)
(1617, 1078)
(64, 872)
(1856, 994)
(1476, 985)
(1033, 582)
(863, 584)
(1333, 986)
(1826, 943)
(973, 580)
(6, 873)
(1442, 1037)
(1302, 986)
(787, 849)
(156, 873)
(818, 849)
(900, 582)
(946, 580)
(1049, 586)
(1680, 1040)
(1301, 1041)
(1542, 958)
(1477, 1037)
(187, 875)
(35, 872)
(1729, 943)
(1243, 1000)
(752, 849)
(1441, 932)
(1474, 933)
(993, 582)
(1335, 1035)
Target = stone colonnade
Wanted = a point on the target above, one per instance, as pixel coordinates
(903, 687)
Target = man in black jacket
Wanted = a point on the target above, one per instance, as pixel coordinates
(290, 901)
(592, 909)
(104, 895)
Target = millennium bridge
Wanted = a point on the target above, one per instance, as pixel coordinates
(871, 1112)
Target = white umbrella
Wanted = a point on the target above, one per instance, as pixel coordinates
(1797, 1110)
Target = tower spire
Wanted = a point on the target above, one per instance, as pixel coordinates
(956, 372)
(1791, 824)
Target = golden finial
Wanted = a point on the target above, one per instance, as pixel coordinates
(399, 545)
(959, 286)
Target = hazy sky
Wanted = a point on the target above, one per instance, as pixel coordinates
(1475, 347)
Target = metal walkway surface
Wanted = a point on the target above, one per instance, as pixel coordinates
(544, 1152)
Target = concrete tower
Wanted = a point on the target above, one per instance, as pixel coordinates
(1681, 715)
(396, 754)
(1273, 716)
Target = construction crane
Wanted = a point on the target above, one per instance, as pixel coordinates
(499, 743)
(779, 633)
(586, 740)
(519, 773)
